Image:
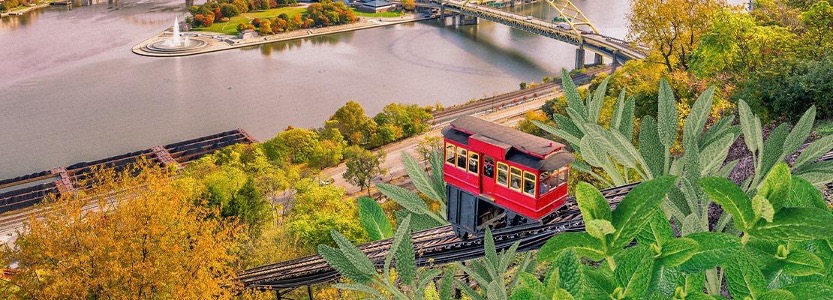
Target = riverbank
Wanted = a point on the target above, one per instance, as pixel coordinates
(22, 11)
(220, 42)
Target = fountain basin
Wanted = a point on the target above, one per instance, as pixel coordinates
(164, 46)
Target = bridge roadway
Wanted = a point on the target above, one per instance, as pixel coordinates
(617, 49)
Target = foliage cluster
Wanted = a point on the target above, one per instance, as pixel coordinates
(138, 243)
(395, 121)
(8, 5)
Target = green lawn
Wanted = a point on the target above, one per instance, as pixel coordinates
(387, 14)
(230, 27)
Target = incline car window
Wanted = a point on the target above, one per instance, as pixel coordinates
(489, 167)
(502, 173)
(515, 178)
(449, 153)
(461, 158)
(529, 184)
(474, 163)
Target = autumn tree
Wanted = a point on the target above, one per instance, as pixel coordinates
(671, 28)
(146, 239)
(317, 209)
(362, 166)
(409, 4)
(352, 122)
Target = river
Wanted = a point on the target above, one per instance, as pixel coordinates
(71, 89)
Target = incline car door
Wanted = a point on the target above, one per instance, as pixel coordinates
(487, 180)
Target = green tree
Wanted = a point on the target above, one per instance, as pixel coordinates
(819, 21)
(317, 209)
(671, 28)
(352, 122)
(362, 166)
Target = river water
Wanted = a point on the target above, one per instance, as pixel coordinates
(71, 89)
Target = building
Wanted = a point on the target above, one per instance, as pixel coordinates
(375, 6)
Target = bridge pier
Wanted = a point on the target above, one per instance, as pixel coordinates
(614, 62)
(580, 58)
(598, 60)
(466, 20)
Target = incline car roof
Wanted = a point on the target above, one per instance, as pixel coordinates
(521, 141)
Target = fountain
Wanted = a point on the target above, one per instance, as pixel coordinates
(176, 43)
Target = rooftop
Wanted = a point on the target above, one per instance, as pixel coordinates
(521, 141)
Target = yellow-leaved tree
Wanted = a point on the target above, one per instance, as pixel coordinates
(129, 237)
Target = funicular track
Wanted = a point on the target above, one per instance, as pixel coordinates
(434, 246)
(27, 190)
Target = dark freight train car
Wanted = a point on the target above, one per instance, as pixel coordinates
(497, 176)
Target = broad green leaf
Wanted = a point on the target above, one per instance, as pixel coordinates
(747, 126)
(418, 221)
(597, 284)
(677, 251)
(664, 279)
(604, 138)
(697, 117)
(635, 210)
(796, 224)
(584, 244)
(436, 159)
(666, 115)
(567, 266)
(691, 224)
(700, 296)
(800, 132)
(592, 204)
(564, 123)
(353, 254)
(524, 293)
(721, 127)
(633, 271)
(402, 233)
(336, 259)
(803, 194)
(599, 228)
(419, 177)
(595, 105)
(490, 252)
(530, 281)
(803, 263)
(818, 179)
(742, 276)
(731, 198)
(650, 147)
(777, 294)
(562, 294)
(571, 92)
(776, 185)
(814, 151)
(373, 219)
(694, 282)
(657, 232)
(811, 290)
(715, 248)
(762, 208)
(626, 148)
(591, 152)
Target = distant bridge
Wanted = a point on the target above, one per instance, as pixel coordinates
(574, 28)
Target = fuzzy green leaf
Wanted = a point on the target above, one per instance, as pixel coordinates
(696, 119)
(650, 147)
(405, 260)
(803, 263)
(747, 126)
(402, 233)
(776, 185)
(599, 228)
(814, 151)
(571, 139)
(592, 204)
(420, 179)
(636, 209)
(595, 105)
(584, 244)
(666, 115)
(571, 92)
(618, 111)
(657, 232)
(564, 123)
(373, 219)
(803, 194)
(800, 132)
(567, 266)
(773, 148)
(712, 157)
(353, 254)
(715, 248)
(796, 224)
(336, 259)
(721, 127)
(626, 125)
(731, 198)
